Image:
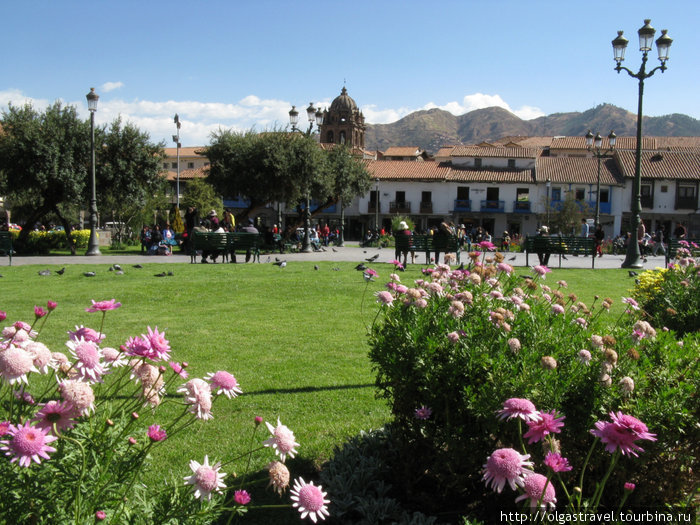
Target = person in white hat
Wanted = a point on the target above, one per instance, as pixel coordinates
(403, 230)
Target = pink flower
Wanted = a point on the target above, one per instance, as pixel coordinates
(178, 369)
(87, 362)
(557, 309)
(225, 383)
(487, 246)
(514, 345)
(198, 396)
(505, 268)
(370, 272)
(309, 500)
(100, 515)
(506, 465)
(103, 306)
(206, 478)
(51, 305)
(453, 337)
(584, 356)
(541, 270)
(535, 491)
(423, 413)
(3, 315)
(630, 486)
(557, 463)
(41, 355)
(396, 263)
(15, 364)
(521, 408)
(160, 346)
(631, 302)
(385, 298)
(86, 333)
(549, 423)
(4, 427)
(59, 413)
(621, 433)
(241, 497)
(79, 395)
(39, 312)
(155, 433)
(258, 420)
(282, 440)
(28, 443)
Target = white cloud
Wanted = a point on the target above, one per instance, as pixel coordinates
(111, 86)
(481, 101)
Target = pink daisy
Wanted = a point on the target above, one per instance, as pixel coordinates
(634, 305)
(59, 413)
(206, 478)
(79, 395)
(557, 309)
(541, 270)
(621, 433)
(506, 465)
(39, 312)
(279, 476)
(179, 369)
(534, 486)
(549, 423)
(423, 413)
(87, 364)
(15, 364)
(556, 462)
(282, 440)
(309, 500)
(584, 356)
(28, 443)
(4, 427)
(224, 383)
(113, 357)
(241, 497)
(103, 306)
(86, 333)
(198, 396)
(139, 347)
(487, 246)
(385, 298)
(41, 355)
(521, 408)
(155, 433)
(160, 346)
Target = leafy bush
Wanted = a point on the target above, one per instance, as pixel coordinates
(450, 350)
(670, 297)
(42, 242)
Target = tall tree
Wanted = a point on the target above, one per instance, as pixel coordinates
(128, 171)
(44, 159)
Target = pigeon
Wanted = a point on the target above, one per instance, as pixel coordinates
(315, 266)
(334, 249)
(111, 269)
(116, 267)
(373, 258)
(137, 266)
(360, 267)
(564, 257)
(364, 251)
(367, 277)
(632, 273)
(511, 258)
(61, 271)
(279, 263)
(277, 259)
(45, 272)
(170, 274)
(119, 272)
(162, 274)
(335, 269)
(89, 274)
(268, 259)
(637, 281)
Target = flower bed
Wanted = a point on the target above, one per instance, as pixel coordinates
(450, 349)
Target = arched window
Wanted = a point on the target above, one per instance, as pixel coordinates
(329, 137)
(342, 137)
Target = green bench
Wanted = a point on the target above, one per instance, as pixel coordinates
(689, 244)
(6, 245)
(226, 244)
(560, 246)
(426, 244)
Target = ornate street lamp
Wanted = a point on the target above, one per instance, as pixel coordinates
(93, 246)
(663, 44)
(376, 207)
(176, 140)
(548, 184)
(315, 117)
(594, 145)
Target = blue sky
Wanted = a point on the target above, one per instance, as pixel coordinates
(242, 64)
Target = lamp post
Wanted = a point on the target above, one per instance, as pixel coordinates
(315, 117)
(176, 140)
(548, 184)
(663, 44)
(93, 246)
(594, 145)
(376, 207)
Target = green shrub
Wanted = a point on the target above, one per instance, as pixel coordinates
(449, 344)
(670, 297)
(43, 242)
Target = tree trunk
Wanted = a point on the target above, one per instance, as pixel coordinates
(67, 230)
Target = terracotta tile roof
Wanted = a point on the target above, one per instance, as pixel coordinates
(682, 165)
(445, 151)
(197, 173)
(526, 142)
(403, 151)
(583, 170)
(185, 152)
(678, 143)
(407, 169)
(623, 143)
(510, 153)
(493, 175)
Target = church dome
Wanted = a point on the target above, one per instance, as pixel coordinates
(343, 102)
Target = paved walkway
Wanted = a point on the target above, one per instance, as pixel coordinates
(351, 254)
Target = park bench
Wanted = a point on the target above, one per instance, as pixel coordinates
(218, 243)
(689, 244)
(243, 241)
(561, 246)
(6, 245)
(425, 244)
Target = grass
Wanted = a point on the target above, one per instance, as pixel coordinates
(295, 339)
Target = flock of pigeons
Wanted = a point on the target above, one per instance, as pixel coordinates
(116, 268)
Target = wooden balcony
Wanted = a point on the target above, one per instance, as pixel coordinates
(426, 207)
(399, 207)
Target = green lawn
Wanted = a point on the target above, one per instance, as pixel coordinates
(295, 339)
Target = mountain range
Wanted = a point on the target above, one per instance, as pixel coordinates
(433, 128)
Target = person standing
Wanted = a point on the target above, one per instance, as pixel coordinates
(542, 245)
(659, 241)
(599, 236)
(585, 231)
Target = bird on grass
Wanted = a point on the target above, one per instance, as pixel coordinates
(632, 273)
(137, 266)
(334, 249)
(61, 271)
(170, 274)
(45, 273)
(119, 272)
(360, 267)
(315, 266)
(268, 259)
(511, 258)
(336, 269)
(116, 267)
(161, 274)
(373, 258)
(89, 274)
(279, 263)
